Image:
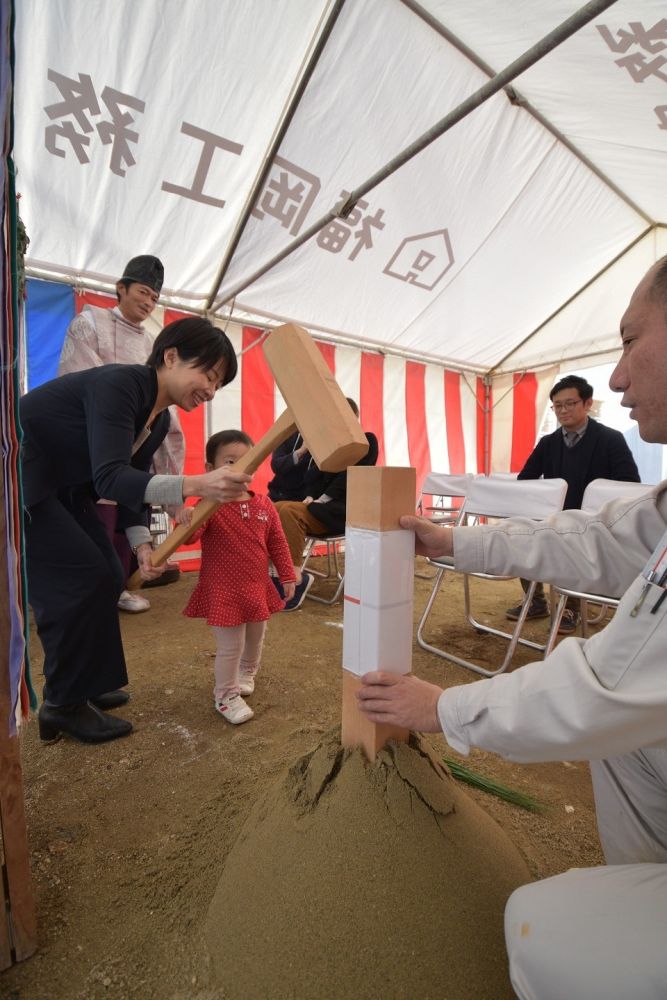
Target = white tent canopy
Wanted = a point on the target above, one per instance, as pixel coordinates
(215, 133)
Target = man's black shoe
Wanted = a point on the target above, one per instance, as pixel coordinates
(110, 699)
(83, 722)
(537, 609)
(300, 592)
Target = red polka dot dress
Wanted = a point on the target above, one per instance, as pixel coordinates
(237, 542)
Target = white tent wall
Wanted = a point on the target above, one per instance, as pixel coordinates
(513, 421)
(145, 127)
(586, 330)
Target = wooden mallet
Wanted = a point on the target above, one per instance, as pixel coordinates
(316, 406)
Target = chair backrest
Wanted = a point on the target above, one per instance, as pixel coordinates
(601, 491)
(445, 484)
(448, 491)
(500, 497)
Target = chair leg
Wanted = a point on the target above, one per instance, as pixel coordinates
(460, 661)
(514, 636)
(332, 572)
(307, 553)
(327, 600)
(599, 617)
(556, 619)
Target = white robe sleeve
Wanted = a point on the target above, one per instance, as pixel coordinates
(80, 348)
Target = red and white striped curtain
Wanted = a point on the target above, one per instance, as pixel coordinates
(423, 415)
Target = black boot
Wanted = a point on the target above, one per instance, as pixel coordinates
(110, 699)
(84, 722)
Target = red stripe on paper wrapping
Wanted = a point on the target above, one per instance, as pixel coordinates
(415, 408)
(454, 423)
(524, 416)
(371, 399)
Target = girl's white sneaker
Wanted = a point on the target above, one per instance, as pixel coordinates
(234, 709)
(247, 684)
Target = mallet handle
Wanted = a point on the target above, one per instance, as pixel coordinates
(279, 432)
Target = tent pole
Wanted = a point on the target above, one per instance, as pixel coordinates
(274, 146)
(550, 41)
(487, 425)
(514, 97)
(556, 312)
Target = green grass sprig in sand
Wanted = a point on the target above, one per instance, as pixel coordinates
(477, 780)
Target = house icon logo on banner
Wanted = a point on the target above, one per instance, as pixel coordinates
(422, 260)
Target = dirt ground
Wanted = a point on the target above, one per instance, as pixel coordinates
(128, 839)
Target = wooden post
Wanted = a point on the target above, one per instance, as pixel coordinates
(379, 573)
(18, 920)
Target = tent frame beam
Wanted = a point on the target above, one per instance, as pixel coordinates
(517, 99)
(492, 372)
(280, 133)
(547, 44)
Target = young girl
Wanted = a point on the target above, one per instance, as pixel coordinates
(235, 593)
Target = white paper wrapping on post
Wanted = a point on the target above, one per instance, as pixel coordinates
(379, 581)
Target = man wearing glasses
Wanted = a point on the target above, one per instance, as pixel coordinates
(580, 451)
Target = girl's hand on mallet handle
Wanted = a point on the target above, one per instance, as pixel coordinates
(184, 515)
(147, 570)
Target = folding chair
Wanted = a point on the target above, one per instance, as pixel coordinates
(444, 487)
(496, 498)
(332, 572)
(596, 495)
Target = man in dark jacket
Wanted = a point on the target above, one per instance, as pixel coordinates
(289, 463)
(580, 451)
(322, 512)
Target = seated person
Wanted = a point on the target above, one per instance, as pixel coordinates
(322, 512)
(578, 451)
(289, 463)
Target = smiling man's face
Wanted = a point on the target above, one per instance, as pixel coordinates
(641, 374)
(137, 301)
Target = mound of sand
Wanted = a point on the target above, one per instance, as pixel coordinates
(360, 881)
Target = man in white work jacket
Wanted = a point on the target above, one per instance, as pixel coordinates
(591, 933)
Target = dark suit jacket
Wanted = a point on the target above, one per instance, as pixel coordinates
(334, 484)
(602, 453)
(79, 431)
(288, 479)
